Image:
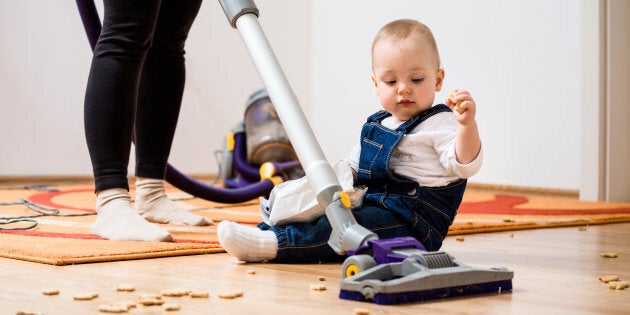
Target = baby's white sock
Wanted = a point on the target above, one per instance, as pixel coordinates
(116, 219)
(247, 243)
(153, 204)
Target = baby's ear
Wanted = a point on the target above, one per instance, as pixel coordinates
(439, 80)
(375, 84)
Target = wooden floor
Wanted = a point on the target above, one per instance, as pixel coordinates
(556, 272)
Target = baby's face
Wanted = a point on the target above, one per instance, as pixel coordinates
(406, 76)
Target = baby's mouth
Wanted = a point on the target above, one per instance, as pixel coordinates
(405, 101)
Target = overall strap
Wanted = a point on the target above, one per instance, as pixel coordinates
(412, 123)
(378, 116)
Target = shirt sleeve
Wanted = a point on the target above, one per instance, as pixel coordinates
(464, 170)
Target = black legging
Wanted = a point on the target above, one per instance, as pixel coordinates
(136, 79)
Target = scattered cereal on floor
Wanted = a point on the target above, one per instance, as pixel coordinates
(199, 294)
(50, 292)
(318, 287)
(609, 255)
(175, 292)
(170, 307)
(608, 278)
(125, 288)
(113, 308)
(85, 296)
(618, 285)
(231, 294)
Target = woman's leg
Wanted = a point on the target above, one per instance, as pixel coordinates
(112, 88)
(110, 104)
(159, 101)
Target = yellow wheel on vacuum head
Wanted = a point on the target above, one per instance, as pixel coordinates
(356, 264)
(352, 270)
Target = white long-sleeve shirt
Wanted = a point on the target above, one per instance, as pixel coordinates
(427, 153)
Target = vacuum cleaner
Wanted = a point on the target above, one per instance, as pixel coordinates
(390, 271)
(406, 271)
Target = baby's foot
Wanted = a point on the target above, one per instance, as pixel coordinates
(247, 243)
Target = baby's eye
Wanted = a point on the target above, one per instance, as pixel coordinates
(390, 82)
(417, 80)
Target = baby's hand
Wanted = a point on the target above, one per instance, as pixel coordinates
(462, 104)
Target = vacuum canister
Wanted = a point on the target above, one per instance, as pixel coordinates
(266, 138)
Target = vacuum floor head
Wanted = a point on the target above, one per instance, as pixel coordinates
(422, 276)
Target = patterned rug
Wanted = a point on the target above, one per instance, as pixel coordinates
(60, 232)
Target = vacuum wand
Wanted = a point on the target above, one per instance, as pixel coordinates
(346, 232)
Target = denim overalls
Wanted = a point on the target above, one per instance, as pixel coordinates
(428, 210)
(393, 206)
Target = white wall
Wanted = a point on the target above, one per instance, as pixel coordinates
(45, 58)
(520, 59)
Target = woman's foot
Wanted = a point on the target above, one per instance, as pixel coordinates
(152, 204)
(116, 219)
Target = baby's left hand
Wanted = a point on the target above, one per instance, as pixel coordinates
(463, 106)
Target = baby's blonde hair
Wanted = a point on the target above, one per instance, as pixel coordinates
(404, 28)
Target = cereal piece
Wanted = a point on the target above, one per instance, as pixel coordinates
(321, 278)
(508, 220)
(85, 296)
(451, 98)
(148, 299)
(318, 287)
(125, 288)
(28, 312)
(606, 279)
(127, 304)
(149, 296)
(149, 302)
(231, 294)
(50, 292)
(175, 292)
(582, 228)
(251, 272)
(113, 308)
(361, 311)
(460, 239)
(199, 294)
(609, 255)
(170, 307)
(618, 285)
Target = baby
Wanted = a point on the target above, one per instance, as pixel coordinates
(413, 156)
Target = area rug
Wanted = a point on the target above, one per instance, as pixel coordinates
(60, 234)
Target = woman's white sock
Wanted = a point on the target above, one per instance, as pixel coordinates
(152, 204)
(247, 243)
(116, 219)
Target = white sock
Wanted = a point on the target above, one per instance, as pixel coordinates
(247, 243)
(153, 205)
(116, 219)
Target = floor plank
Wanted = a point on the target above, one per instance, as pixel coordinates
(556, 272)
